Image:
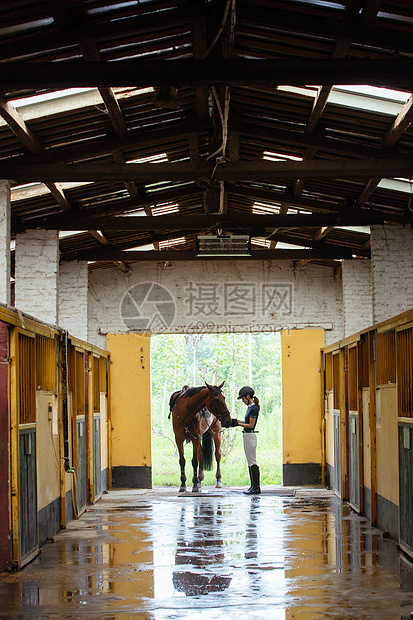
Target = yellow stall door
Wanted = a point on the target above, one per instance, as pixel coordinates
(130, 396)
(302, 406)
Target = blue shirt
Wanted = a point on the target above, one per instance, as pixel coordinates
(252, 412)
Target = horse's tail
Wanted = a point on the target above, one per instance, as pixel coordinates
(207, 446)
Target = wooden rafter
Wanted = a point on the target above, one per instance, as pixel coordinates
(230, 171)
(388, 72)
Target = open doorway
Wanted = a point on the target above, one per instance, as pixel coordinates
(238, 359)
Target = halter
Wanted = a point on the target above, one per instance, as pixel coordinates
(216, 413)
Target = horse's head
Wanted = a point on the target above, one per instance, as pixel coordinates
(218, 405)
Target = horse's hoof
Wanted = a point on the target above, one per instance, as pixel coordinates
(196, 490)
(218, 485)
(182, 489)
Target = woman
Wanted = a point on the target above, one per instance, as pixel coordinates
(246, 394)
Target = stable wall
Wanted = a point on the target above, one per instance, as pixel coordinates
(366, 465)
(104, 452)
(131, 410)
(329, 437)
(214, 296)
(48, 465)
(5, 542)
(301, 406)
(387, 464)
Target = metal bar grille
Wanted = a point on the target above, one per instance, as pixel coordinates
(405, 373)
(103, 374)
(352, 379)
(80, 383)
(386, 357)
(45, 364)
(364, 365)
(96, 385)
(336, 381)
(329, 372)
(27, 380)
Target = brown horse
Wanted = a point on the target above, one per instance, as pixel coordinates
(188, 425)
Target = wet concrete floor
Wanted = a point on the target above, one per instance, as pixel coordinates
(286, 554)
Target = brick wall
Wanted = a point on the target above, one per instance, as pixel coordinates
(357, 295)
(214, 296)
(392, 270)
(73, 298)
(37, 263)
(4, 242)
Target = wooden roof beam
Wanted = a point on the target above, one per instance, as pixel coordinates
(230, 171)
(190, 255)
(141, 73)
(200, 222)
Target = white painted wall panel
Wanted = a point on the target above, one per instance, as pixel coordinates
(36, 274)
(357, 295)
(214, 296)
(392, 270)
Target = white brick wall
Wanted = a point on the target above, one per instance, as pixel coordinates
(223, 296)
(4, 242)
(73, 296)
(357, 295)
(392, 270)
(36, 274)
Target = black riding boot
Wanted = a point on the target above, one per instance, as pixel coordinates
(255, 475)
(251, 485)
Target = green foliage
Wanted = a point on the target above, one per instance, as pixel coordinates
(237, 359)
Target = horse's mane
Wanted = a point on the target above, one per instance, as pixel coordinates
(194, 390)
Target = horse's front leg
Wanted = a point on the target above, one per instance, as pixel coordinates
(201, 474)
(180, 447)
(217, 441)
(195, 480)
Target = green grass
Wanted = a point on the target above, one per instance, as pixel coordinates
(165, 461)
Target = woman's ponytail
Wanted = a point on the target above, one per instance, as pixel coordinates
(256, 402)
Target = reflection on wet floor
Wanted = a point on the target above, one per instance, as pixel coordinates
(157, 554)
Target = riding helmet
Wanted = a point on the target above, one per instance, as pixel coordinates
(244, 391)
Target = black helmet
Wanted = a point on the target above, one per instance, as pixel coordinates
(244, 391)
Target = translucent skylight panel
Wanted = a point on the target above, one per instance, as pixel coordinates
(377, 91)
(170, 243)
(159, 158)
(397, 184)
(395, 18)
(263, 208)
(281, 245)
(30, 190)
(165, 209)
(369, 98)
(63, 234)
(271, 156)
(308, 91)
(261, 242)
(57, 94)
(56, 105)
(360, 229)
(322, 3)
(143, 248)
